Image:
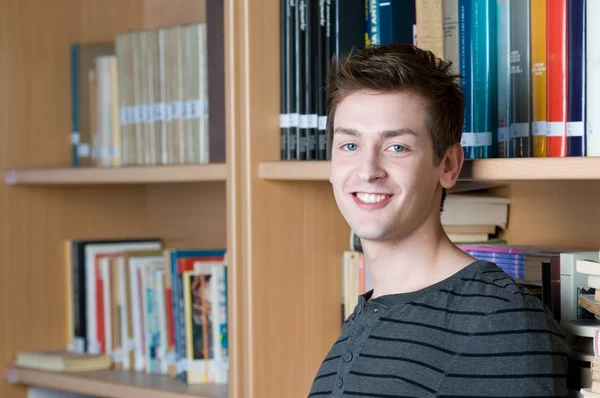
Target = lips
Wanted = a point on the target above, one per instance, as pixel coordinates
(370, 199)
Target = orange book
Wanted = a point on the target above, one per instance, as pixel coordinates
(538, 77)
(556, 70)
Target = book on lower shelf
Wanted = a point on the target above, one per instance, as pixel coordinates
(62, 361)
(150, 308)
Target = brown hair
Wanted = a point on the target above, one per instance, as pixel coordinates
(402, 67)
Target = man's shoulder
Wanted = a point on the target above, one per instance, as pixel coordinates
(517, 310)
(502, 291)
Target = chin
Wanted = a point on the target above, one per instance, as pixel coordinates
(371, 233)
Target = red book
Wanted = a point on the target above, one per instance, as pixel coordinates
(556, 75)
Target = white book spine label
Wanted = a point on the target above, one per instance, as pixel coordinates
(556, 129)
(575, 129)
(539, 128)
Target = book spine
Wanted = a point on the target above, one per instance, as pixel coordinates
(348, 15)
(464, 7)
(576, 78)
(484, 87)
(592, 28)
(520, 93)
(214, 81)
(404, 18)
(386, 22)
(557, 75)
(429, 16)
(293, 98)
(310, 76)
(503, 71)
(75, 135)
(451, 34)
(323, 56)
(538, 77)
(284, 117)
(374, 28)
(301, 82)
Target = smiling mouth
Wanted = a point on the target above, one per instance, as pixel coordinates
(371, 198)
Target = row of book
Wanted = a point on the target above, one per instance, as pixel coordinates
(143, 99)
(150, 308)
(528, 68)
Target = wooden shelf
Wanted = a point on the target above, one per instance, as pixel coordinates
(116, 175)
(514, 169)
(114, 384)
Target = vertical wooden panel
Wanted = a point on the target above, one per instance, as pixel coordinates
(285, 238)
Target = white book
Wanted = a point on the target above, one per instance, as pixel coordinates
(593, 78)
(138, 308)
(91, 269)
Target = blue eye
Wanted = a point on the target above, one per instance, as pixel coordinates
(350, 147)
(397, 148)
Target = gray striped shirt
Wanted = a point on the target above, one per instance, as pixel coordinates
(474, 334)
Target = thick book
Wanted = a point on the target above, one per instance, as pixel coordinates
(592, 28)
(284, 116)
(520, 93)
(62, 361)
(576, 85)
(538, 77)
(484, 86)
(503, 77)
(465, 53)
(396, 20)
(557, 77)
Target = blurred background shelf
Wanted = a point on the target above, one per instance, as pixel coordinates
(114, 384)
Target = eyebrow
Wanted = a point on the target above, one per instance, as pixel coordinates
(383, 134)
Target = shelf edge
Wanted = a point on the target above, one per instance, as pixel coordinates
(116, 175)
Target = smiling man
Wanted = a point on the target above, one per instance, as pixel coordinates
(438, 323)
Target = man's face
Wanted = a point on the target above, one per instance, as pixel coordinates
(383, 172)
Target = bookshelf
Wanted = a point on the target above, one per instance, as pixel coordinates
(116, 175)
(113, 384)
(515, 169)
(284, 236)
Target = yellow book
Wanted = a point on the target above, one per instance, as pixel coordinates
(538, 77)
(62, 361)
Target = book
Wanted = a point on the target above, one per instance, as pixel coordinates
(62, 361)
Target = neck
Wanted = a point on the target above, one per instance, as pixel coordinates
(413, 262)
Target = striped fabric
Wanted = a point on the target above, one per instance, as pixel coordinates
(475, 334)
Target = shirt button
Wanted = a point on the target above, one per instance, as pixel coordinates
(347, 356)
(339, 382)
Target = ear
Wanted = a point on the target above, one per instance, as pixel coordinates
(451, 165)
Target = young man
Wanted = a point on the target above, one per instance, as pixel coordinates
(438, 323)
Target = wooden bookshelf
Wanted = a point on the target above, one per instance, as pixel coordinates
(522, 169)
(284, 237)
(116, 175)
(114, 384)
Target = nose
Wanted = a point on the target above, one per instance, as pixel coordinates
(370, 168)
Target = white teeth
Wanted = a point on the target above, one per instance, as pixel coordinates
(371, 198)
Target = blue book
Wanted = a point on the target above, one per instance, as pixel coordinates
(178, 306)
(576, 78)
(464, 12)
(503, 77)
(373, 23)
(484, 91)
(396, 20)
